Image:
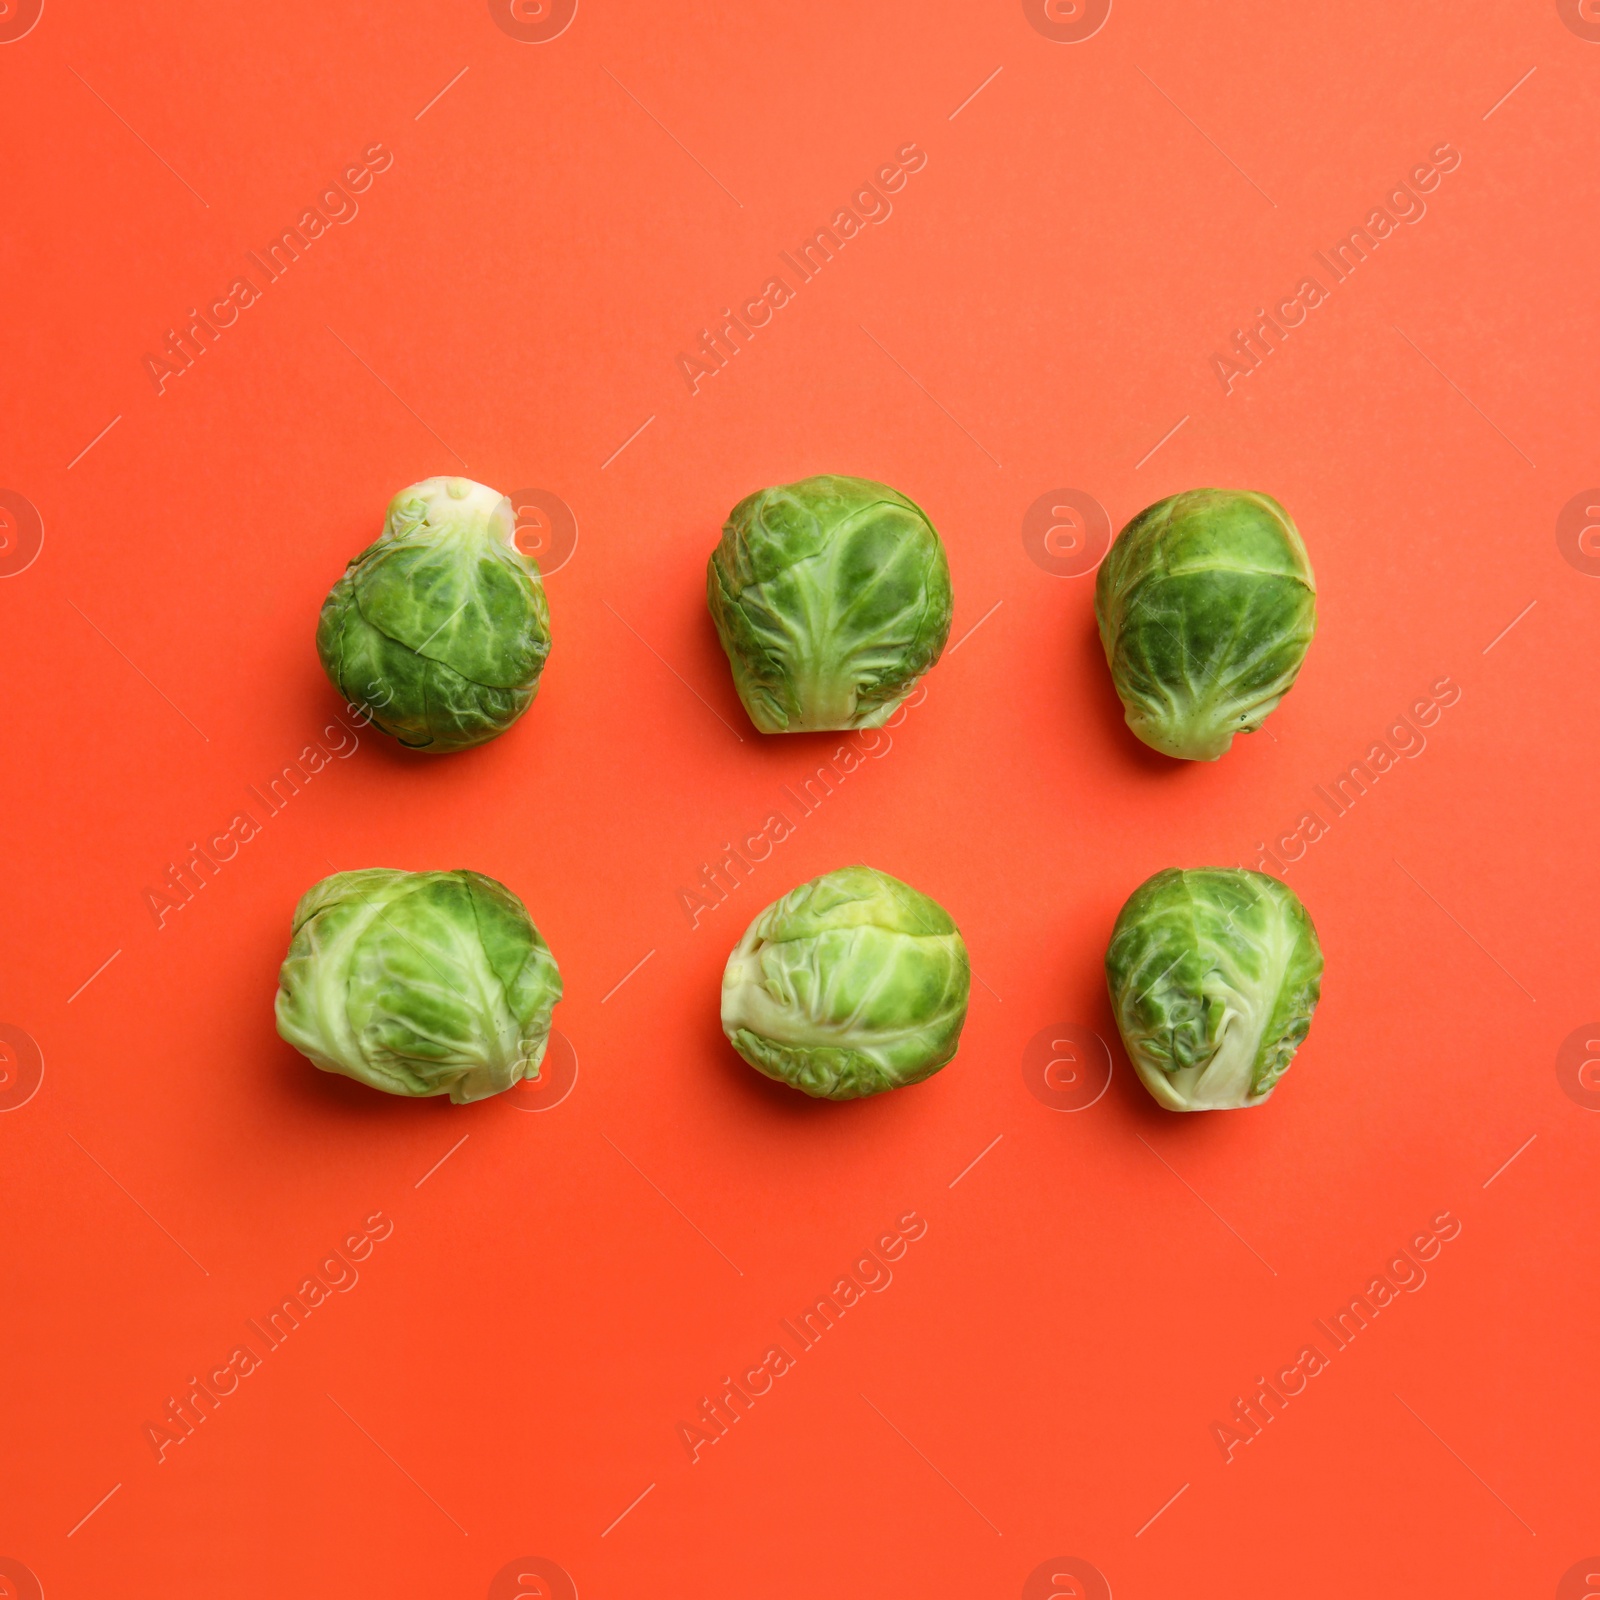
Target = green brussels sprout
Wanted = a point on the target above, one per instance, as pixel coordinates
(831, 597)
(1206, 606)
(439, 630)
(1214, 974)
(418, 983)
(849, 985)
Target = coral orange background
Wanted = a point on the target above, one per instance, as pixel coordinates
(1040, 312)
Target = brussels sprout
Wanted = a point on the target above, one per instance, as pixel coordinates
(1214, 974)
(849, 985)
(831, 597)
(418, 983)
(1206, 606)
(440, 630)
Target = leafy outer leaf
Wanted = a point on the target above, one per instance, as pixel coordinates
(441, 629)
(849, 985)
(1214, 975)
(1206, 606)
(418, 983)
(831, 597)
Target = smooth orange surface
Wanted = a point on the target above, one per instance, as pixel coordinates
(508, 1367)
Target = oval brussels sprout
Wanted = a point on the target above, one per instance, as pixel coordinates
(418, 983)
(849, 985)
(1214, 974)
(831, 597)
(439, 630)
(1206, 606)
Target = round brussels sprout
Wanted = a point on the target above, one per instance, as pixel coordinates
(418, 983)
(439, 630)
(831, 597)
(1206, 606)
(1214, 974)
(849, 985)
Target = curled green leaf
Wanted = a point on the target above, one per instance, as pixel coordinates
(1206, 605)
(1214, 975)
(831, 597)
(439, 631)
(418, 983)
(851, 984)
